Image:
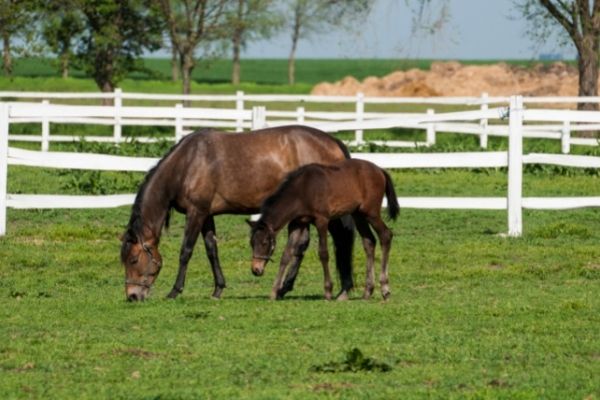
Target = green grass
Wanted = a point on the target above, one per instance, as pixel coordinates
(472, 314)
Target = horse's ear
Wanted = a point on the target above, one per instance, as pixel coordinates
(251, 223)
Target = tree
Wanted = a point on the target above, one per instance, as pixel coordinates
(15, 20)
(580, 20)
(191, 23)
(62, 23)
(116, 33)
(250, 19)
(309, 17)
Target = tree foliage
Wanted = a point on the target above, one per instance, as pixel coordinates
(579, 20)
(191, 23)
(249, 20)
(306, 18)
(116, 33)
(15, 21)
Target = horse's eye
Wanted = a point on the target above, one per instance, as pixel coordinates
(133, 260)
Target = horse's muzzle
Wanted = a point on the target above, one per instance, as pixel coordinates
(135, 293)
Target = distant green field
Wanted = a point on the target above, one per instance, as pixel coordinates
(258, 75)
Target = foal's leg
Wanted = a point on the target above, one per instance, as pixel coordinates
(210, 244)
(368, 240)
(298, 239)
(193, 224)
(385, 237)
(321, 225)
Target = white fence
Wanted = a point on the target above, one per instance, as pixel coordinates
(238, 118)
(513, 159)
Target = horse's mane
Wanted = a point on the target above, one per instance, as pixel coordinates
(135, 225)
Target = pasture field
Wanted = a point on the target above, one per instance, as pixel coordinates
(258, 75)
(472, 314)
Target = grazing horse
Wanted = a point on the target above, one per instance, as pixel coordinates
(209, 173)
(317, 193)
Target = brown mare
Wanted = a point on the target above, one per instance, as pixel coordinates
(209, 173)
(316, 194)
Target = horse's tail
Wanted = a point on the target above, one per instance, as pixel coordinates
(342, 146)
(390, 195)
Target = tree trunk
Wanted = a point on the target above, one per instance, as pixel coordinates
(174, 64)
(235, 73)
(64, 65)
(106, 87)
(187, 67)
(587, 62)
(6, 56)
(237, 43)
(295, 37)
(292, 67)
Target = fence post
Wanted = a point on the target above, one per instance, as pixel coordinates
(45, 126)
(3, 164)
(259, 117)
(178, 122)
(430, 129)
(117, 104)
(483, 123)
(300, 115)
(515, 167)
(360, 111)
(239, 106)
(565, 137)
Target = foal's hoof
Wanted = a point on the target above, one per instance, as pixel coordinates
(343, 296)
(173, 294)
(386, 296)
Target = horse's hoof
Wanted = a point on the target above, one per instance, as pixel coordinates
(217, 293)
(386, 296)
(173, 294)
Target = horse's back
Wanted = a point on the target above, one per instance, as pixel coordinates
(241, 169)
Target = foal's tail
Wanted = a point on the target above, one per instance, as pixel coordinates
(390, 195)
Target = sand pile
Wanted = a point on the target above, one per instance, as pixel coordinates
(455, 79)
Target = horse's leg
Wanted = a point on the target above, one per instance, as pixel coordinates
(299, 246)
(385, 237)
(193, 225)
(342, 233)
(324, 256)
(368, 240)
(210, 243)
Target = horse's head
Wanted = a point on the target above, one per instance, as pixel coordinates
(142, 263)
(262, 241)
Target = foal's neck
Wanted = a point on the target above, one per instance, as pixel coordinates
(280, 213)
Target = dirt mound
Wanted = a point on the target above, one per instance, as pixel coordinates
(455, 79)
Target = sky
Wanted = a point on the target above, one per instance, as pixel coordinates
(477, 29)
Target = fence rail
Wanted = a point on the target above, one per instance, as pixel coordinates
(238, 118)
(514, 159)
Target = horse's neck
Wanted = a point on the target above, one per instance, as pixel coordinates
(153, 211)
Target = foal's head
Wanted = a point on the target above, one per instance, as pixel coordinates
(262, 241)
(142, 263)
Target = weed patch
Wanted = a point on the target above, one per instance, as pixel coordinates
(355, 361)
